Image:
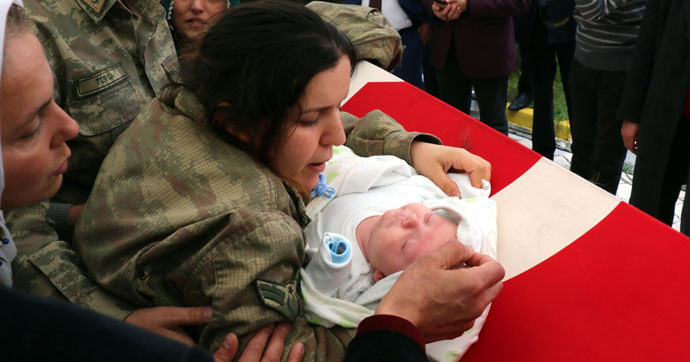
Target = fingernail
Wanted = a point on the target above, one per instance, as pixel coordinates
(208, 312)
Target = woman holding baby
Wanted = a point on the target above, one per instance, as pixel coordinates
(202, 200)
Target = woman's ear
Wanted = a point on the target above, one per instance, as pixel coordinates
(222, 118)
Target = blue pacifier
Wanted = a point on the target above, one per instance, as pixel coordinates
(339, 248)
(322, 189)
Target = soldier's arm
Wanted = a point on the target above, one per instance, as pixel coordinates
(250, 287)
(49, 267)
(378, 134)
(373, 37)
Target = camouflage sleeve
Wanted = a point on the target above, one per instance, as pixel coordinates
(252, 281)
(378, 134)
(373, 37)
(50, 268)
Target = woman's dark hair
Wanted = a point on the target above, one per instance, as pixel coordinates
(253, 66)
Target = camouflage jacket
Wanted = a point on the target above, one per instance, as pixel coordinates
(107, 64)
(180, 217)
(108, 61)
(373, 36)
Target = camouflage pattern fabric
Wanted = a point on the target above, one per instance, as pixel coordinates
(108, 61)
(373, 36)
(50, 267)
(107, 64)
(179, 217)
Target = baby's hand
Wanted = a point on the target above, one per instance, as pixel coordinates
(434, 162)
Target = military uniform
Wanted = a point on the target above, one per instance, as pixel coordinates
(180, 217)
(372, 35)
(108, 61)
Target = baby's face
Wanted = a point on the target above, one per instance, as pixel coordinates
(402, 235)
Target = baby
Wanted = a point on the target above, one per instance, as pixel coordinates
(396, 239)
(366, 243)
(388, 216)
(382, 217)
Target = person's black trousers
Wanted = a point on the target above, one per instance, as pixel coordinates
(597, 145)
(492, 93)
(677, 173)
(526, 81)
(544, 58)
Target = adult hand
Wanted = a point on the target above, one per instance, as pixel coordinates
(629, 132)
(449, 11)
(73, 214)
(424, 31)
(260, 348)
(434, 162)
(168, 321)
(440, 299)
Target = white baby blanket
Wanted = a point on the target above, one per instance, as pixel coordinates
(475, 214)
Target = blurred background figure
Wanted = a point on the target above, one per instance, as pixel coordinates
(190, 18)
(548, 40)
(413, 23)
(473, 47)
(656, 111)
(523, 30)
(605, 41)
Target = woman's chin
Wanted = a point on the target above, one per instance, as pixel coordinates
(309, 185)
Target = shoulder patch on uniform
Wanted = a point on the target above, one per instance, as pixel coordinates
(281, 297)
(96, 5)
(100, 80)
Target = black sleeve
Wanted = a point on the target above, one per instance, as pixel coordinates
(384, 345)
(639, 75)
(35, 329)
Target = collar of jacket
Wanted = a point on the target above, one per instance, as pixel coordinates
(187, 103)
(96, 9)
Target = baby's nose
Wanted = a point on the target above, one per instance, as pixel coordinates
(409, 219)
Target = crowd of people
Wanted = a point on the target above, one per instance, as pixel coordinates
(624, 91)
(157, 160)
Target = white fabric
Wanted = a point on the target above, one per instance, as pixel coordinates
(393, 13)
(369, 186)
(7, 249)
(328, 274)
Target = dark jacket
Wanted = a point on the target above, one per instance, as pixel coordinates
(482, 36)
(654, 95)
(557, 15)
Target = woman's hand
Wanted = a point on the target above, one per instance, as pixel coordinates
(73, 214)
(260, 348)
(434, 162)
